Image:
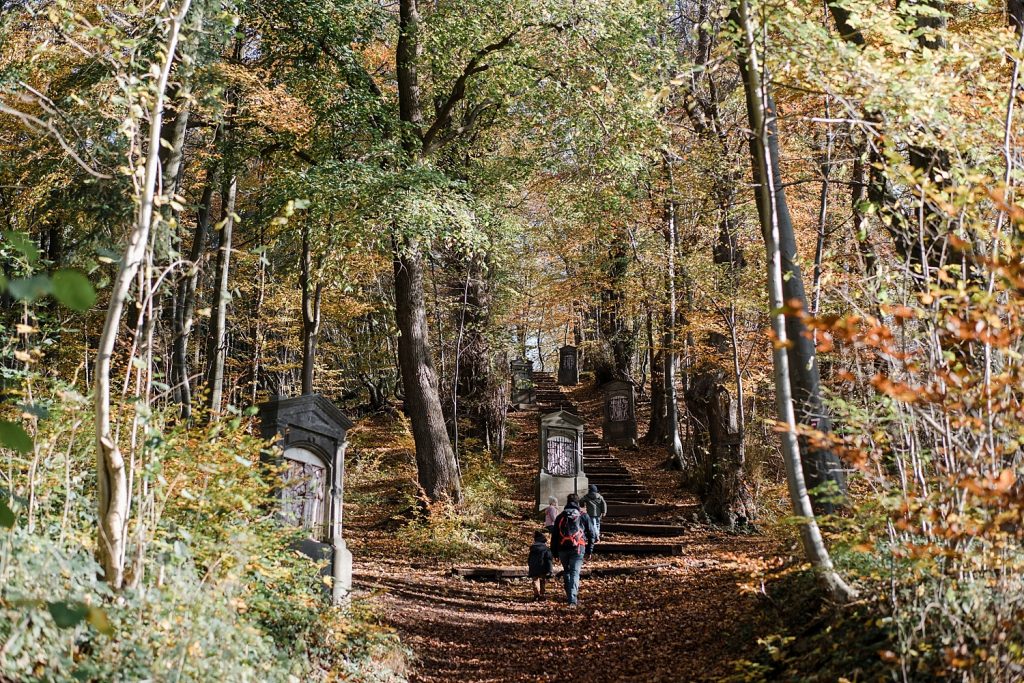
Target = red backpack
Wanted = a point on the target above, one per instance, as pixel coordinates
(570, 530)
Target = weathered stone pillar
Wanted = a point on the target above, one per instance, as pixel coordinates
(561, 458)
(311, 433)
(568, 366)
(619, 425)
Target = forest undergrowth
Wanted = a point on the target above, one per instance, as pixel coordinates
(217, 590)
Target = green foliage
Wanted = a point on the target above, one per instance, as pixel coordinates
(217, 593)
(472, 531)
(14, 436)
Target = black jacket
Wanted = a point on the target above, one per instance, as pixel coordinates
(541, 562)
(596, 506)
(588, 529)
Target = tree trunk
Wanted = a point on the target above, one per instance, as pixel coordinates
(481, 388)
(184, 304)
(437, 469)
(718, 446)
(111, 477)
(616, 360)
(764, 151)
(675, 444)
(656, 424)
(820, 464)
(217, 344)
(310, 313)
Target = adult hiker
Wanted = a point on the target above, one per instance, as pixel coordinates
(575, 536)
(596, 509)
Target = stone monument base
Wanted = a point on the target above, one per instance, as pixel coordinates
(341, 568)
(559, 487)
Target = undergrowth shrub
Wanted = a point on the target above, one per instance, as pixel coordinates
(215, 591)
(472, 532)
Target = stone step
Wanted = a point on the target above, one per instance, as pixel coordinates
(642, 529)
(606, 478)
(603, 480)
(605, 486)
(606, 489)
(494, 573)
(611, 548)
(621, 510)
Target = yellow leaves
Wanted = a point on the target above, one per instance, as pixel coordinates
(991, 486)
(897, 390)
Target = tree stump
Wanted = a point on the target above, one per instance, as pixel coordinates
(716, 450)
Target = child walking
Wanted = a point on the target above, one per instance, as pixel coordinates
(541, 564)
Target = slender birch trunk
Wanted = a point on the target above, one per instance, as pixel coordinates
(759, 109)
(218, 322)
(111, 477)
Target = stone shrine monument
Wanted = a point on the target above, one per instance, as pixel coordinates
(523, 394)
(619, 425)
(561, 458)
(311, 432)
(568, 366)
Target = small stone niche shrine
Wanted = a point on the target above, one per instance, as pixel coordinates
(561, 458)
(568, 366)
(619, 425)
(523, 393)
(311, 432)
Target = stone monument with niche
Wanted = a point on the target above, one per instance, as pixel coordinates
(311, 433)
(619, 425)
(561, 458)
(523, 393)
(568, 366)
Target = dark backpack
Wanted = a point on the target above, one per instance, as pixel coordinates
(570, 531)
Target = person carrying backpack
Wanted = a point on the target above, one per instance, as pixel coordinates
(575, 535)
(596, 509)
(541, 564)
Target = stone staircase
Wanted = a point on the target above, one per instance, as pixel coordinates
(549, 397)
(627, 499)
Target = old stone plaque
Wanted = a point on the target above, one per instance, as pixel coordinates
(561, 455)
(568, 366)
(619, 426)
(560, 470)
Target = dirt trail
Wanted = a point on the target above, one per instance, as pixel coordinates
(686, 622)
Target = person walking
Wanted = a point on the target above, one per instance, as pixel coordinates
(550, 514)
(597, 508)
(541, 564)
(575, 536)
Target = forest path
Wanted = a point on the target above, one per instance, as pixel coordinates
(685, 622)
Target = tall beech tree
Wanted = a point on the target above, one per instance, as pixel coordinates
(775, 224)
(820, 463)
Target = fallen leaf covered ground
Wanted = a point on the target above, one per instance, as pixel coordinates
(689, 621)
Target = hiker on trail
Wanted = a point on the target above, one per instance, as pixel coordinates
(596, 509)
(550, 513)
(541, 564)
(575, 535)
